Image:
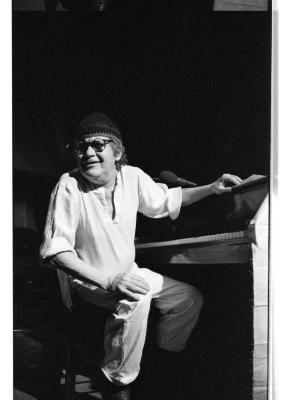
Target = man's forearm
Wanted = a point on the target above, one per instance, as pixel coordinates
(127, 283)
(221, 185)
(192, 195)
(70, 263)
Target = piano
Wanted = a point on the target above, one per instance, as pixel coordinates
(227, 229)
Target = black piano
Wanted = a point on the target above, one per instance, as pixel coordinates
(228, 229)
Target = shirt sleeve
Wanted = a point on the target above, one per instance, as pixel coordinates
(62, 221)
(156, 200)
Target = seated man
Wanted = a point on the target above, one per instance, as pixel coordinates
(90, 232)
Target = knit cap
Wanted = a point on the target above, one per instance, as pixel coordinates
(97, 124)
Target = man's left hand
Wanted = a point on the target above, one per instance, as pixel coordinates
(224, 183)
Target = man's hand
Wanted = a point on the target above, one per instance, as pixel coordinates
(130, 284)
(224, 183)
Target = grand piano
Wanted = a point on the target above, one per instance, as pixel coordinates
(228, 229)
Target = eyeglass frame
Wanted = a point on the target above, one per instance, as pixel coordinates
(73, 148)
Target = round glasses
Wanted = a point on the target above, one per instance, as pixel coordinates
(98, 145)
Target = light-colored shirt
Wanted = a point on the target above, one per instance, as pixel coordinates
(78, 219)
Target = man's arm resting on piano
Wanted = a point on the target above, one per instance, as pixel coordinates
(220, 186)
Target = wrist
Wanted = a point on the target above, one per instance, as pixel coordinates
(102, 279)
(108, 282)
(112, 282)
(211, 188)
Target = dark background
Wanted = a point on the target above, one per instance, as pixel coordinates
(188, 87)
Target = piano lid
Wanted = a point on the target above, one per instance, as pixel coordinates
(253, 181)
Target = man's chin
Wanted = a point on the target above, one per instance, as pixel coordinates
(97, 175)
(93, 175)
(92, 165)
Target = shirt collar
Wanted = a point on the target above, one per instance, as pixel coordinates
(89, 186)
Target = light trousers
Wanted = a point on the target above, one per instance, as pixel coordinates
(125, 330)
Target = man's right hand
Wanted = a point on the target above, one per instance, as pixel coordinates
(130, 284)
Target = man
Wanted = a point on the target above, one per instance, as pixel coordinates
(90, 232)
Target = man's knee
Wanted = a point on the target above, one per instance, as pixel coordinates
(193, 298)
(127, 308)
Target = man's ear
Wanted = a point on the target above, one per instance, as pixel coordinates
(118, 156)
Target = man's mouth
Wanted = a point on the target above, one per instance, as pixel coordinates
(85, 164)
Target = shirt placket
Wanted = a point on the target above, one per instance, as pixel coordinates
(100, 194)
(117, 203)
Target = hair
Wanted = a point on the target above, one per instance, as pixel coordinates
(118, 148)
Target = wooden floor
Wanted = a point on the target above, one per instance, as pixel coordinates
(84, 390)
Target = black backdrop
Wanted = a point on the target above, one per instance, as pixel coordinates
(188, 87)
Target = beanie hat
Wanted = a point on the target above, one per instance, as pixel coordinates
(97, 124)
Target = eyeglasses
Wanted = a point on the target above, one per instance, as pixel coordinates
(97, 145)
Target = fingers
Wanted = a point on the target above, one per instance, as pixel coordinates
(235, 179)
(139, 281)
(226, 190)
(133, 287)
(231, 179)
(224, 183)
(137, 284)
(132, 283)
(130, 294)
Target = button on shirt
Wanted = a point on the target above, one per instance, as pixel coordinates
(78, 219)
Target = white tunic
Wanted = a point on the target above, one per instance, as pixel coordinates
(78, 218)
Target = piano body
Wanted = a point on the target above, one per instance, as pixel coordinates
(242, 220)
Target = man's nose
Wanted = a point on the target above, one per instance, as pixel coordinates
(89, 151)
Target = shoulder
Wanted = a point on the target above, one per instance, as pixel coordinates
(69, 183)
(138, 178)
(135, 176)
(68, 179)
(131, 171)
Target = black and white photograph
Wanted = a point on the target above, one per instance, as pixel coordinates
(142, 168)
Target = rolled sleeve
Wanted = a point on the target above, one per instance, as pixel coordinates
(174, 202)
(55, 245)
(62, 221)
(157, 200)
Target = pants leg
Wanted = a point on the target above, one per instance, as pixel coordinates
(125, 332)
(179, 304)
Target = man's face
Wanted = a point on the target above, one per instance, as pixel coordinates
(96, 166)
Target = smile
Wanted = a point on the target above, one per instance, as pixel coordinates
(90, 163)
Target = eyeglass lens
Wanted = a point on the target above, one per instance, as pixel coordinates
(96, 145)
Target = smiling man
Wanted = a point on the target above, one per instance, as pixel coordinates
(90, 232)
